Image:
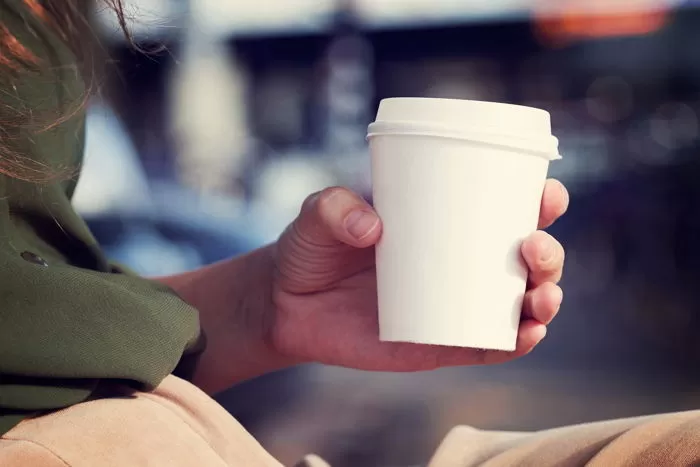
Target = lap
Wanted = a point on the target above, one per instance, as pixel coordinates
(176, 425)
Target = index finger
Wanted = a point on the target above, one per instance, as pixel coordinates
(555, 201)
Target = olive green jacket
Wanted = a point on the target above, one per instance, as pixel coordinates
(70, 321)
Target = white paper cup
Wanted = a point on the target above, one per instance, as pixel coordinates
(458, 186)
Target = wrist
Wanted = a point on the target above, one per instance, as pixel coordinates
(234, 298)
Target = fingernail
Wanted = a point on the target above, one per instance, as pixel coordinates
(565, 195)
(547, 252)
(361, 223)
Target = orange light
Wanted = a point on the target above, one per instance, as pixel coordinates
(572, 21)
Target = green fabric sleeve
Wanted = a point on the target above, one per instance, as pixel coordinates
(70, 321)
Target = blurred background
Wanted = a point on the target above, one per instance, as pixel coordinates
(206, 148)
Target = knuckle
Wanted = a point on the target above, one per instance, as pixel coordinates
(319, 201)
(551, 269)
(327, 196)
(557, 261)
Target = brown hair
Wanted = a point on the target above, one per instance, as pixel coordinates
(67, 18)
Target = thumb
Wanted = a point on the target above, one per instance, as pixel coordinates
(329, 241)
(338, 216)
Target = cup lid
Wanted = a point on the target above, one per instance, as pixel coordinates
(494, 121)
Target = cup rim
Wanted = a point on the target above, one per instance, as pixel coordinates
(544, 146)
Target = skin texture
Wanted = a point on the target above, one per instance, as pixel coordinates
(311, 297)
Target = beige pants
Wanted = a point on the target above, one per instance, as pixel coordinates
(180, 426)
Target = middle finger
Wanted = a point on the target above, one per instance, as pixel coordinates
(544, 257)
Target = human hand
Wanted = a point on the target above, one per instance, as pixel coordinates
(325, 299)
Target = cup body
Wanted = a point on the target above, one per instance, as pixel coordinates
(456, 203)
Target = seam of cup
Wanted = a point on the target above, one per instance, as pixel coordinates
(407, 127)
(549, 150)
(443, 127)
